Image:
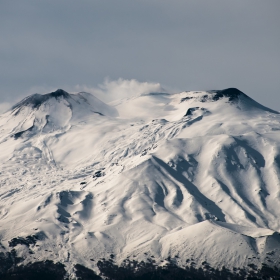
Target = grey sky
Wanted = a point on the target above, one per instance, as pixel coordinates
(181, 44)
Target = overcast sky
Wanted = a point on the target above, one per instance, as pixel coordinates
(181, 44)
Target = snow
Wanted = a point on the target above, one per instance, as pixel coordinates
(186, 174)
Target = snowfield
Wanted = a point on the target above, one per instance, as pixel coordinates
(186, 178)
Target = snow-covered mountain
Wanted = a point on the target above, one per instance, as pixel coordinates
(187, 180)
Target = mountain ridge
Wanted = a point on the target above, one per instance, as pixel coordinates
(35, 100)
(153, 177)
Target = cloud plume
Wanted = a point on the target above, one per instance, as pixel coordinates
(111, 90)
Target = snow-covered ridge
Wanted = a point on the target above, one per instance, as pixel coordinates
(79, 101)
(52, 112)
(191, 175)
(232, 94)
(36, 100)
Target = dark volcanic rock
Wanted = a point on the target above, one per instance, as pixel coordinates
(19, 134)
(58, 93)
(191, 110)
(232, 93)
(98, 173)
(36, 100)
(186, 99)
(28, 240)
(214, 95)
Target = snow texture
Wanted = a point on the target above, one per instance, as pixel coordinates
(187, 175)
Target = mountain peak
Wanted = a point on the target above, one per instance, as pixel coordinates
(232, 93)
(36, 100)
(233, 96)
(59, 92)
(214, 95)
(53, 111)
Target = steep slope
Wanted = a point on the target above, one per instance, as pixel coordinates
(188, 179)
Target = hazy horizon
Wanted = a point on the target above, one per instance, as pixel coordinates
(109, 46)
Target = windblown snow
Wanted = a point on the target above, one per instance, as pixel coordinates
(192, 175)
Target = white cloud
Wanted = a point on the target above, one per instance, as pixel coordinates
(121, 88)
(107, 91)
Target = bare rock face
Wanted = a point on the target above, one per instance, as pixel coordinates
(231, 93)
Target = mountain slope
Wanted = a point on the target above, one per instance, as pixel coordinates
(183, 178)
